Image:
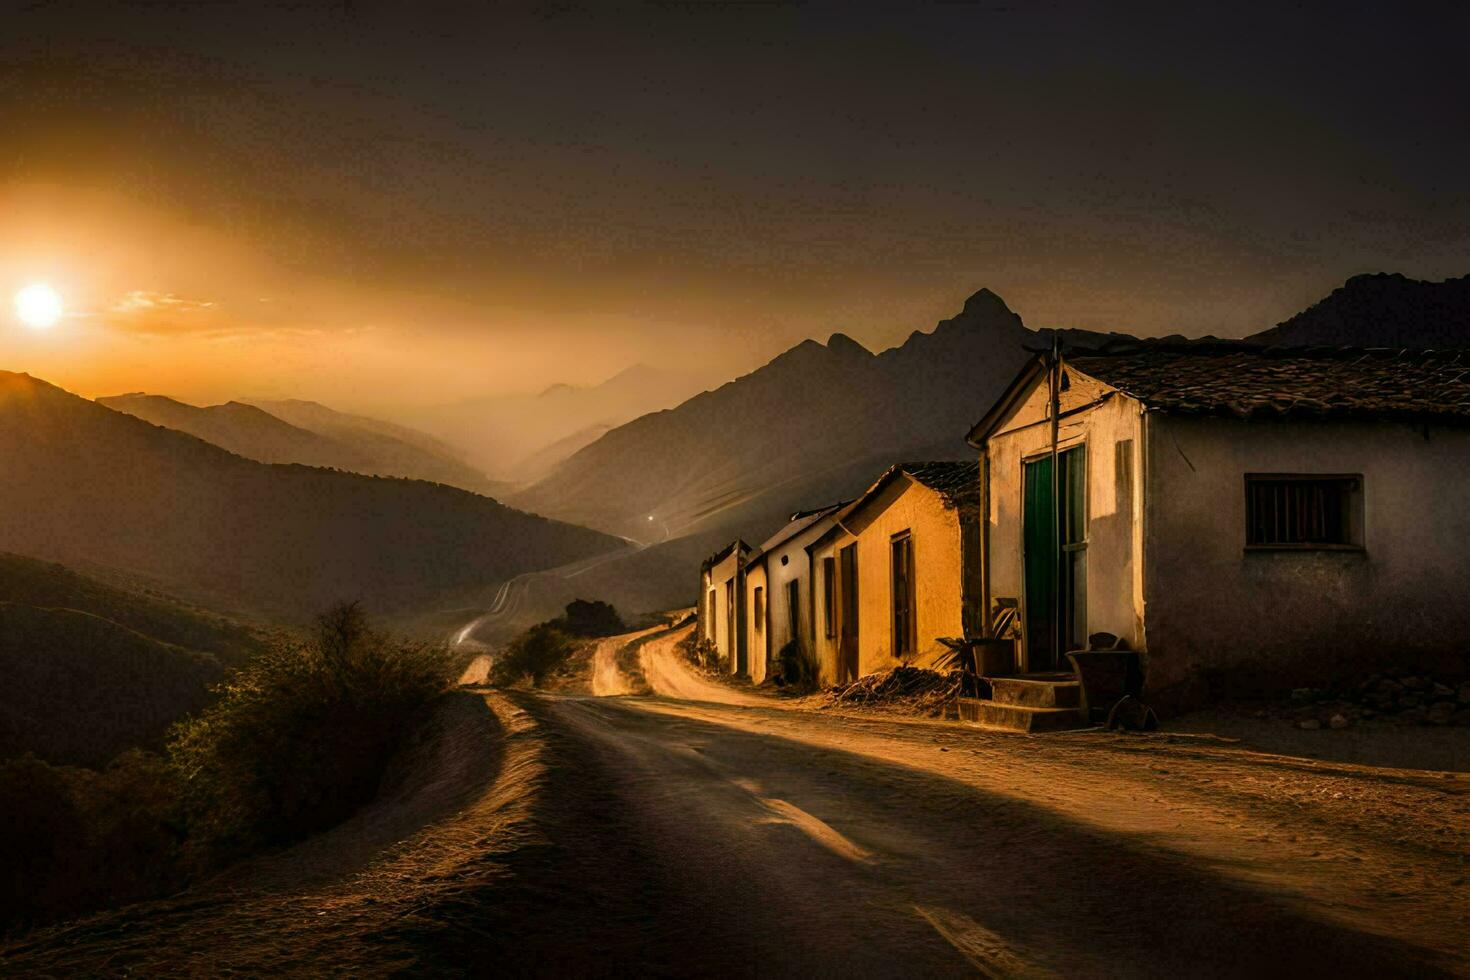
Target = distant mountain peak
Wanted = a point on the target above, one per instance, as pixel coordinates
(633, 371)
(841, 343)
(983, 301)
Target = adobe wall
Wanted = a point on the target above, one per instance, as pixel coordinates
(1224, 619)
(1109, 427)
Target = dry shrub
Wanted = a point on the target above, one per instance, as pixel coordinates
(300, 737)
(795, 668)
(540, 650)
(700, 651)
(533, 655)
(908, 688)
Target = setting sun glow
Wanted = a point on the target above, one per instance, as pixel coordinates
(38, 306)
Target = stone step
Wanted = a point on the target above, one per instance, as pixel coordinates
(1035, 694)
(1019, 718)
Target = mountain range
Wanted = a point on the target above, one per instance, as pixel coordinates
(313, 435)
(519, 438)
(83, 483)
(793, 432)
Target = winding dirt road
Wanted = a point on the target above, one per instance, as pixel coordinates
(704, 830)
(669, 676)
(608, 679)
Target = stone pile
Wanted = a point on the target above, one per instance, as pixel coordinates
(1398, 698)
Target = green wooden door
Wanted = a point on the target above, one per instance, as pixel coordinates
(1041, 559)
(1056, 570)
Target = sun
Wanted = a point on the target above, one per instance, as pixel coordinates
(38, 306)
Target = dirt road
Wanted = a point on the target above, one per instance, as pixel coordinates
(557, 836)
(512, 595)
(608, 679)
(669, 676)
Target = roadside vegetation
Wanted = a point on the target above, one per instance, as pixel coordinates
(699, 651)
(293, 743)
(796, 669)
(541, 650)
(300, 737)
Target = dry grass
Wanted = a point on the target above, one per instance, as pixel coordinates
(904, 689)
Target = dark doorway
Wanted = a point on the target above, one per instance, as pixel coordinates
(847, 635)
(1055, 542)
(737, 649)
(793, 612)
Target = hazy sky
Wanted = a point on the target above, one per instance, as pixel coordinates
(403, 204)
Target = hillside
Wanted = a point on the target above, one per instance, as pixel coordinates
(30, 582)
(519, 437)
(242, 429)
(813, 424)
(78, 689)
(390, 450)
(310, 434)
(1382, 310)
(84, 483)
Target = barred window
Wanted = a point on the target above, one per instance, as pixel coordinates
(1302, 510)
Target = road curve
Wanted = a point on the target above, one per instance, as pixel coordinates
(608, 679)
(671, 676)
(511, 596)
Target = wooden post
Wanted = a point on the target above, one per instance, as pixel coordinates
(1055, 381)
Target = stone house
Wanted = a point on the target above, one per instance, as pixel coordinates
(1248, 518)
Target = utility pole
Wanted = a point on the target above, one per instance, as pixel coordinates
(1055, 382)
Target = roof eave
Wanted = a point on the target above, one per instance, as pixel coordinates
(982, 429)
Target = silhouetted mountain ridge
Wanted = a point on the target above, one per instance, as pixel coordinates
(33, 582)
(89, 669)
(752, 444)
(242, 429)
(84, 483)
(294, 431)
(1381, 310)
(77, 688)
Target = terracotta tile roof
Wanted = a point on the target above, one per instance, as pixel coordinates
(1286, 381)
(957, 482)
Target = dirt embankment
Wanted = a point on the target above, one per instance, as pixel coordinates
(348, 901)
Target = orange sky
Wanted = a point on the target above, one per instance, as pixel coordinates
(155, 302)
(378, 205)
